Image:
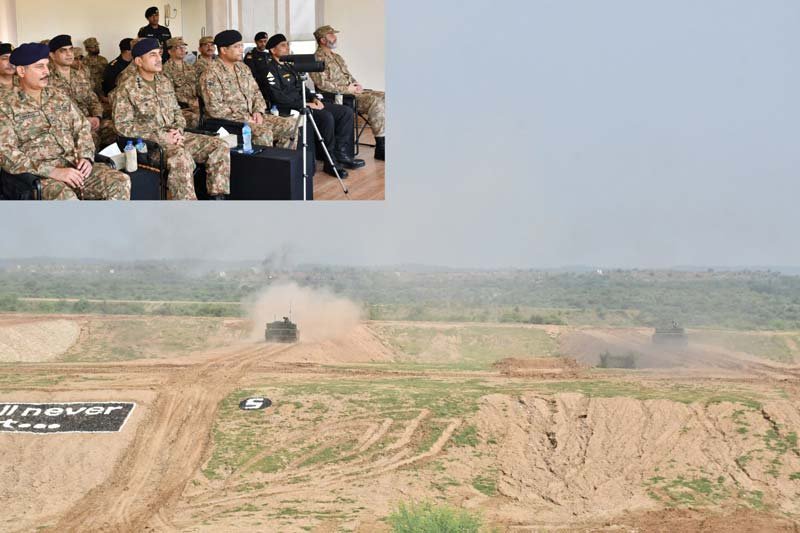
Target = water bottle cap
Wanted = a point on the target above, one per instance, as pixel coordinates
(130, 143)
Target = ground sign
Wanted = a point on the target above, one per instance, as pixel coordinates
(44, 418)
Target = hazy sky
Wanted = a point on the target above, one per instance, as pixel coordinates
(532, 134)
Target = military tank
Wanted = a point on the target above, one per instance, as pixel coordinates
(282, 331)
(673, 335)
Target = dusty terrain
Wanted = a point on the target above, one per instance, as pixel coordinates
(485, 417)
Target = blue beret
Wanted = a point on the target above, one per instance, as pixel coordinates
(144, 46)
(228, 38)
(60, 41)
(28, 54)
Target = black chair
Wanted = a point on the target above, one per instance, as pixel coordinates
(20, 186)
(149, 182)
(351, 101)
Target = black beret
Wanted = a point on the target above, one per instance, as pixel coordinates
(150, 12)
(227, 38)
(275, 40)
(6, 48)
(125, 44)
(28, 54)
(144, 46)
(261, 35)
(60, 41)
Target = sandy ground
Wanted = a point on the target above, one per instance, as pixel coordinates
(559, 460)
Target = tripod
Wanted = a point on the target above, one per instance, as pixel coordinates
(305, 117)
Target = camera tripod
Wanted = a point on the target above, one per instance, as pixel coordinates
(305, 117)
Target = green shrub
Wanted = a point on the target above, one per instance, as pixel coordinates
(428, 518)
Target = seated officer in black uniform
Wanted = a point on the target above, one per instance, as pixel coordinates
(257, 59)
(155, 31)
(335, 122)
(115, 68)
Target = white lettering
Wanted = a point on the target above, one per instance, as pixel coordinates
(36, 411)
(54, 411)
(94, 411)
(4, 410)
(109, 409)
(71, 411)
(8, 423)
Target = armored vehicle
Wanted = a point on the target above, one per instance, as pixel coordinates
(674, 335)
(282, 331)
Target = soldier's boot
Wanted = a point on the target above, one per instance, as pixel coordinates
(329, 169)
(348, 161)
(380, 148)
(218, 197)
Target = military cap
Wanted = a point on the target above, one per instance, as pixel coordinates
(261, 35)
(206, 40)
(5, 48)
(60, 41)
(150, 12)
(78, 52)
(28, 54)
(175, 41)
(227, 38)
(323, 31)
(91, 42)
(144, 46)
(125, 44)
(275, 40)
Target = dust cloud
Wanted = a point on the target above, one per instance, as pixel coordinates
(320, 314)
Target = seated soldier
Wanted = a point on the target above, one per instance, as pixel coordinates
(335, 122)
(78, 86)
(116, 67)
(338, 80)
(230, 92)
(7, 79)
(145, 106)
(42, 132)
(207, 51)
(96, 64)
(184, 78)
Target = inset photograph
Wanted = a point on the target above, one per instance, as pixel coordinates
(194, 100)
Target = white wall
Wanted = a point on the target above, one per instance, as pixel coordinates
(362, 24)
(8, 21)
(194, 22)
(108, 21)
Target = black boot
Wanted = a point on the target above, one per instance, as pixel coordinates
(347, 161)
(329, 170)
(218, 197)
(380, 148)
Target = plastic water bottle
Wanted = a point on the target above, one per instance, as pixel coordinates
(141, 147)
(274, 111)
(247, 139)
(131, 165)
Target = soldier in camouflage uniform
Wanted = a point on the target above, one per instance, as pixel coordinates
(78, 86)
(184, 78)
(207, 57)
(337, 79)
(96, 64)
(42, 132)
(7, 79)
(230, 92)
(145, 106)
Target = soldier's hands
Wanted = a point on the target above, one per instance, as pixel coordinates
(355, 88)
(258, 119)
(316, 104)
(174, 137)
(94, 122)
(70, 176)
(84, 167)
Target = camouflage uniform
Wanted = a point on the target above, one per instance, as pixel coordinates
(79, 88)
(337, 79)
(234, 95)
(96, 64)
(184, 78)
(150, 111)
(37, 139)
